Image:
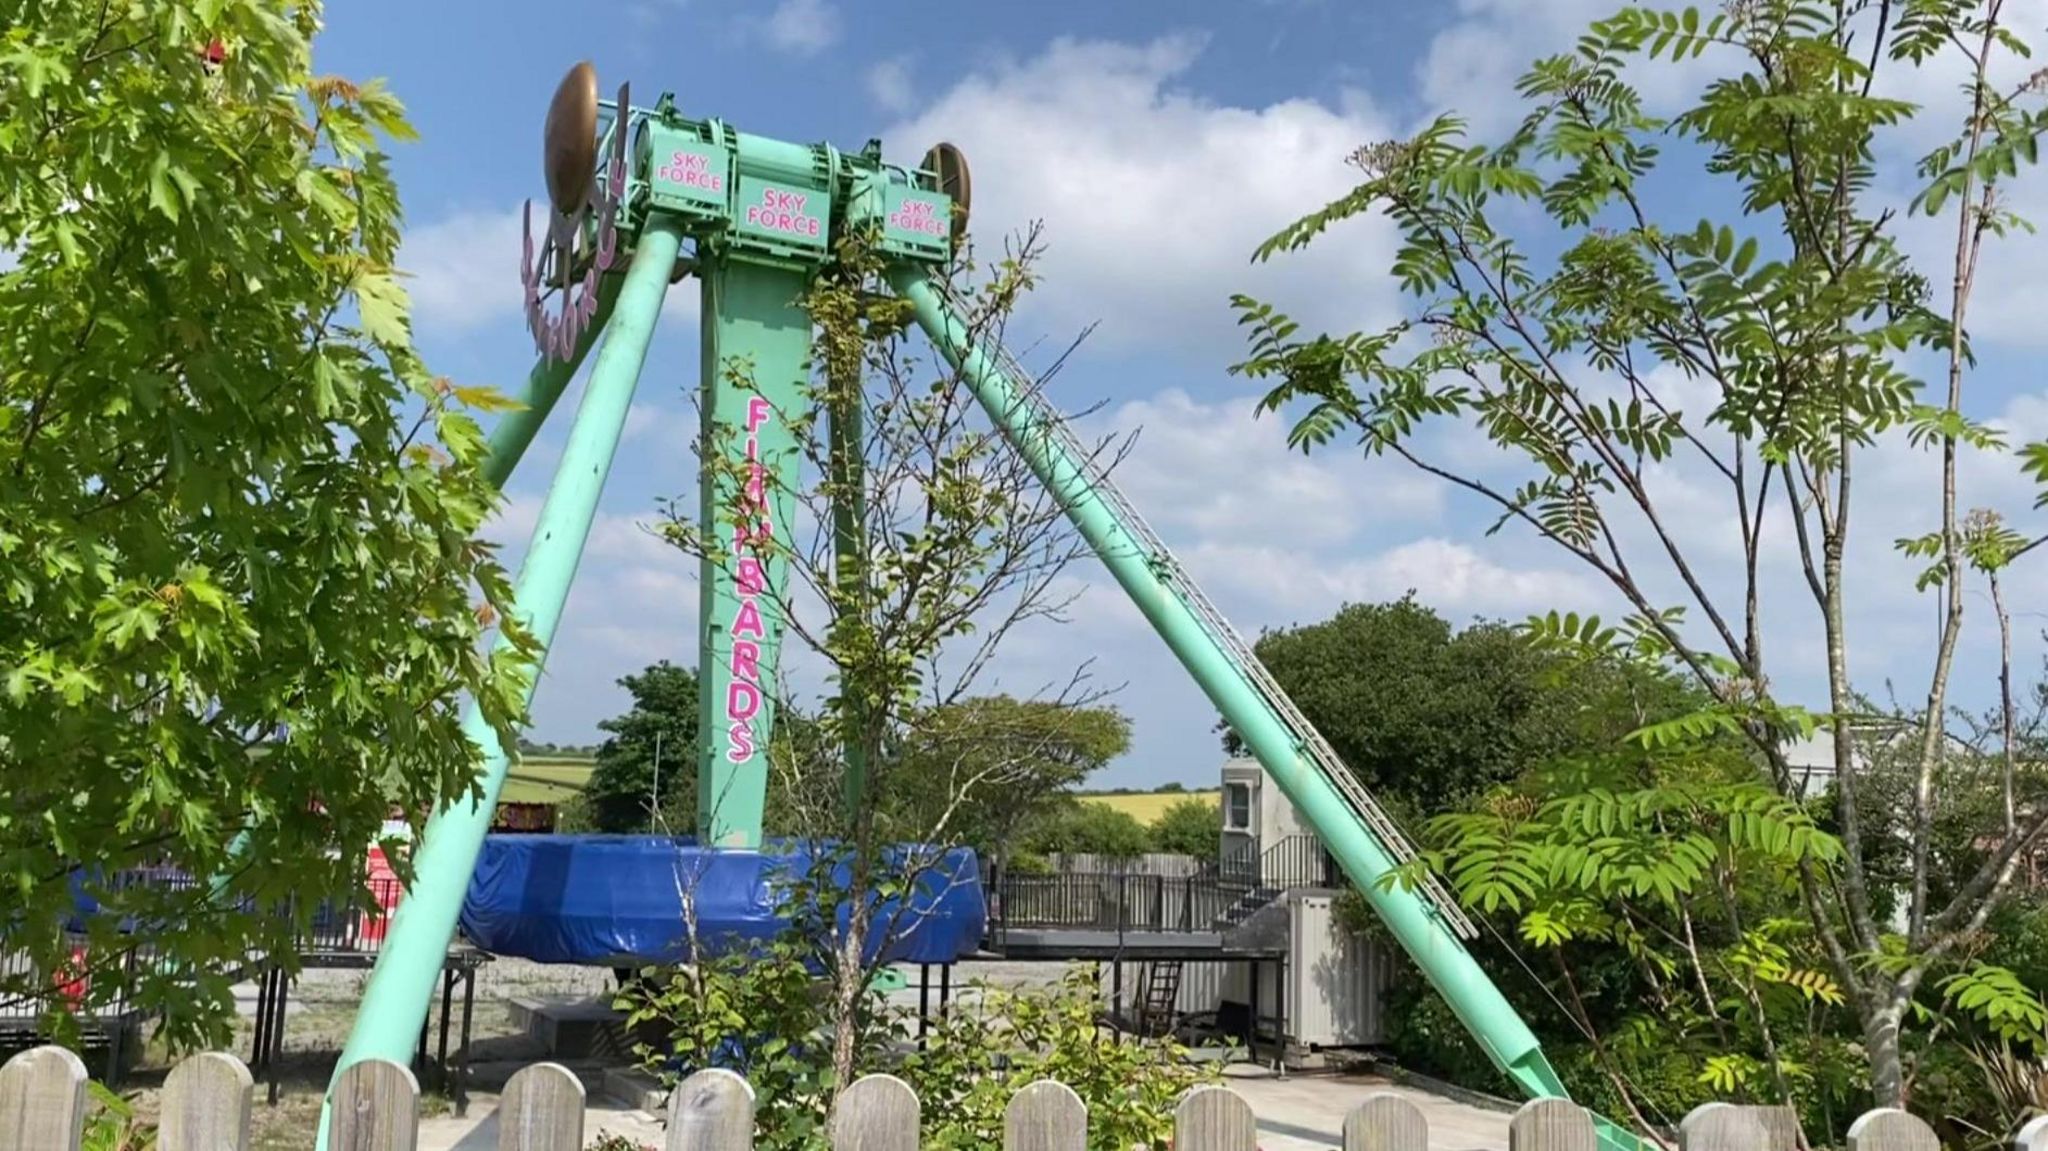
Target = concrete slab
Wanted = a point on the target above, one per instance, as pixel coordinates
(1306, 1112)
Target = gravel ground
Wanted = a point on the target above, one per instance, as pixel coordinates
(322, 1009)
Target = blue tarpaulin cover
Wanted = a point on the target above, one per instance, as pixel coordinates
(617, 900)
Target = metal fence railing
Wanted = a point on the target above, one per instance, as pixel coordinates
(1109, 901)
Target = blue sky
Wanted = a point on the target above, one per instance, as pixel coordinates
(1159, 143)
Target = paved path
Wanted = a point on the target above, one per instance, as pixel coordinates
(478, 1131)
(1306, 1112)
(1298, 1113)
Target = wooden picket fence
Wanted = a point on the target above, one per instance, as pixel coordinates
(207, 1100)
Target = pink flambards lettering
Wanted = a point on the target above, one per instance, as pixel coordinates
(745, 695)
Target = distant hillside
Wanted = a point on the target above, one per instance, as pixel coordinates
(544, 778)
(1147, 807)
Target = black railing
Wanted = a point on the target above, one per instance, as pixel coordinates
(1108, 901)
(1239, 861)
(1298, 861)
(335, 925)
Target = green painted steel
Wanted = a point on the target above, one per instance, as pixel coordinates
(1141, 570)
(545, 383)
(757, 347)
(401, 986)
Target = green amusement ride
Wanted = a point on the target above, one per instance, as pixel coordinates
(640, 199)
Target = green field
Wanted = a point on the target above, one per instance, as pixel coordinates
(557, 778)
(1147, 809)
(546, 779)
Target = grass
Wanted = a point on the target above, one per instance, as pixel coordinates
(546, 779)
(1147, 809)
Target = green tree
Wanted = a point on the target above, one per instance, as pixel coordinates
(1430, 717)
(663, 720)
(1191, 826)
(239, 513)
(1804, 323)
(1078, 827)
(1000, 763)
(933, 541)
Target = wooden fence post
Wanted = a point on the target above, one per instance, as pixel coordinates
(1721, 1127)
(1552, 1125)
(541, 1110)
(42, 1101)
(712, 1110)
(376, 1108)
(877, 1113)
(1046, 1116)
(1780, 1123)
(1889, 1129)
(206, 1105)
(1386, 1122)
(1214, 1119)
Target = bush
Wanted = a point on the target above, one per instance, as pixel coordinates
(1189, 827)
(996, 1042)
(764, 1016)
(760, 1013)
(1089, 829)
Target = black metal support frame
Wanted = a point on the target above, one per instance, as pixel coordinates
(273, 993)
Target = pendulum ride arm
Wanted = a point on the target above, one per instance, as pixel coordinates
(1365, 842)
(401, 985)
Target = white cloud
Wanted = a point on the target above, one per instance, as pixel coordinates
(463, 273)
(889, 85)
(634, 601)
(1472, 64)
(1217, 472)
(1452, 577)
(802, 27)
(1154, 198)
(9, 260)
(464, 270)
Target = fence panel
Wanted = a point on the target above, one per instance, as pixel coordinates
(877, 1113)
(42, 1100)
(542, 1110)
(1215, 1119)
(206, 1105)
(1386, 1122)
(1889, 1129)
(207, 1102)
(1552, 1125)
(1045, 1116)
(376, 1108)
(1721, 1127)
(711, 1111)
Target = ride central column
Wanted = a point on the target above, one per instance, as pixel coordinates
(757, 348)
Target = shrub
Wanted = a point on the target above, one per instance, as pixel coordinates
(995, 1042)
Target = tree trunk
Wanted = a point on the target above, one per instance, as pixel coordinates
(1881, 1048)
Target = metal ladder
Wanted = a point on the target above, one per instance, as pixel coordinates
(1159, 1006)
